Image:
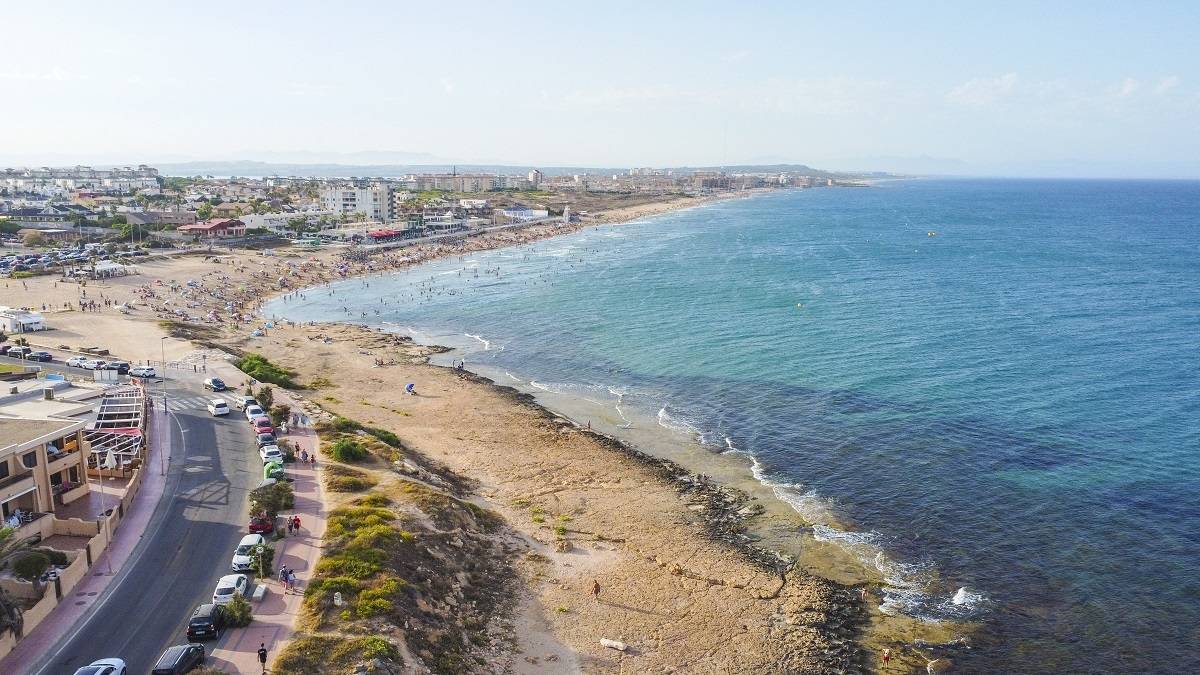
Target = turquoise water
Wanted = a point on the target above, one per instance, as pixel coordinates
(1003, 417)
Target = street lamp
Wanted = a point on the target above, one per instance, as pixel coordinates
(162, 461)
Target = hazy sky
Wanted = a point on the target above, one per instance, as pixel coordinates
(988, 88)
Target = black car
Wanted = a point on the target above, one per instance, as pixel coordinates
(179, 659)
(39, 356)
(214, 384)
(4, 349)
(266, 439)
(207, 623)
(121, 367)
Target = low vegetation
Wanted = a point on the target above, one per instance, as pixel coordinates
(239, 611)
(272, 499)
(344, 479)
(328, 654)
(259, 368)
(348, 450)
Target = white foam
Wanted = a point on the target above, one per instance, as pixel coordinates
(486, 345)
(668, 421)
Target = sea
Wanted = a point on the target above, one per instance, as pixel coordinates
(986, 392)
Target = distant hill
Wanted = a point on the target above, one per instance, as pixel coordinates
(252, 168)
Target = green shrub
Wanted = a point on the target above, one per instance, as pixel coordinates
(272, 499)
(266, 396)
(385, 436)
(259, 368)
(348, 483)
(56, 557)
(239, 611)
(374, 499)
(279, 414)
(378, 648)
(268, 560)
(31, 565)
(348, 450)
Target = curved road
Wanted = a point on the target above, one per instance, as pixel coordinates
(186, 547)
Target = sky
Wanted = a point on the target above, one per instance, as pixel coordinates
(972, 88)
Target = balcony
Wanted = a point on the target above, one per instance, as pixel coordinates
(16, 485)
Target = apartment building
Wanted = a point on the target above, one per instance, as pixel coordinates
(374, 201)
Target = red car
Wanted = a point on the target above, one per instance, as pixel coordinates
(262, 425)
(261, 525)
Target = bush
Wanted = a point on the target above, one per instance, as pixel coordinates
(258, 367)
(268, 560)
(271, 499)
(279, 413)
(31, 565)
(345, 479)
(266, 396)
(386, 436)
(348, 450)
(239, 611)
(56, 557)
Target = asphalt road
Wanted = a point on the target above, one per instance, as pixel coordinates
(185, 549)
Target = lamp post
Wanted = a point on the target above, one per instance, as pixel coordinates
(162, 461)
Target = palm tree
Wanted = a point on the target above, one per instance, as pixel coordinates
(11, 614)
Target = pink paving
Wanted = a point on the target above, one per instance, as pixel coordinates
(275, 614)
(91, 588)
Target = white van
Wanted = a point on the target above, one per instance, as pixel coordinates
(218, 407)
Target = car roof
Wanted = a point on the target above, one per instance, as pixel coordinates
(230, 579)
(218, 401)
(252, 539)
(204, 611)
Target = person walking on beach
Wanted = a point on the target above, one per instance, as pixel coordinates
(595, 590)
(262, 656)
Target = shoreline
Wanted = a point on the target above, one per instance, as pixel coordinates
(161, 281)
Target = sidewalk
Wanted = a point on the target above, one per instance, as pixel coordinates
(275, 614)
(90, 589)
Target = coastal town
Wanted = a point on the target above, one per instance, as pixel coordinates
(143, 374)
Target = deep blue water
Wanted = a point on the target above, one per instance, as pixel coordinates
(1011, 405)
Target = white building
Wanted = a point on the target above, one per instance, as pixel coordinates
(20, 320)
(375, 201)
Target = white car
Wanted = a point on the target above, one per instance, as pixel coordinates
(103, 667)
(253, 411)
(270, 453)
(77, 361)
(243, 560)
(229, 586)
(92, 364)
(217, 407)
(143, 371)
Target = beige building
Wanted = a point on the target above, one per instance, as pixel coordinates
(42, 465)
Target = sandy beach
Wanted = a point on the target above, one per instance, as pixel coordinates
(677, 588)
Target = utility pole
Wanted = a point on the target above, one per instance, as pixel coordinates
(162, 461)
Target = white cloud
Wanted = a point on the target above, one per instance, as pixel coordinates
(55, 74)
(1127, 88)
(447, 86)
(1167, 84)
(983, 91)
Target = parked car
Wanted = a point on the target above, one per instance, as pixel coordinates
(39, 356)
(207, 622)
(262, 425)
(4, 349)
(261, 525)
(104, 667)
(244, 554)
(270, 453)
(217, 407)
(143, 371)
(229, 586)
(92, 364)
(265, 439)
(243, 402)
(214, 384)
(18, 352)
(122, 367)
(179, 659)
(77, 361)
(253, 411)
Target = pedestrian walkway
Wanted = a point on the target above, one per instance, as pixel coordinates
(275, 614)
(90, 592)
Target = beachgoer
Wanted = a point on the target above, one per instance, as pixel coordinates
(289, 522)
(296, 522)
(282, 574)
(262, 655)
(595, 590)
(313, 460)
(304, 456)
